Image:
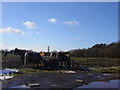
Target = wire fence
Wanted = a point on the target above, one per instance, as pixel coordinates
(98, 62)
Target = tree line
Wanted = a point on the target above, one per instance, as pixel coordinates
(102, 50)
(99, 50)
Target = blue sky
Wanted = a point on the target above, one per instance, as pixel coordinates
(61, 25)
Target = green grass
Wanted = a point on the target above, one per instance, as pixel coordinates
(113, 69)
(93, 59)
(29, 70)
(96, 62)
(10, 57)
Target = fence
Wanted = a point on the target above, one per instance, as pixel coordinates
(97, 62)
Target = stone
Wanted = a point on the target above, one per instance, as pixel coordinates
(33, 85)
(81, 81)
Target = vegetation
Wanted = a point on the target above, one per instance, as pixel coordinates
(99, 55)
(96, 62)
(29, 70)
(113, 69)
(99, 50)
(10, 57)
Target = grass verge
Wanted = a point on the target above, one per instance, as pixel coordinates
(113, 69)
(33, 70)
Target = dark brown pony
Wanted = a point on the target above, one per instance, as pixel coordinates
(28, 58)
(21, 53)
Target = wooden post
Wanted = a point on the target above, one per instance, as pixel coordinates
(73, 63)
(107, 62)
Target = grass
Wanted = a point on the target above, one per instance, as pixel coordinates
(90, 62)
(96, 62)
(113, 69)
(34, 70)
(29, 70)
(93, 59)
(10, 57)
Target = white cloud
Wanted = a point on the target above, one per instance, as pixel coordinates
(71, 23)
(30, 25)
(52, 20)
(11, 30)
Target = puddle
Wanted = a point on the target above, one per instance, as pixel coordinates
(101, 84)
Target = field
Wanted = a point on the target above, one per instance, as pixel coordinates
(99, 64)
(96, 62)
(56, 79)
(11, 61)
(14, 61)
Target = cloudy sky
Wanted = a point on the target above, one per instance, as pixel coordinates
(62, 26)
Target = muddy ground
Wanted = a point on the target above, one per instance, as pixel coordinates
(57, 80)
(53, 79)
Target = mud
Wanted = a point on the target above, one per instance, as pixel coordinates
(57, 80)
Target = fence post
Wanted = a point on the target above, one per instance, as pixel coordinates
(107, 62)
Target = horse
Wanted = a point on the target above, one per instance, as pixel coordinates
(21, 53)
(5, 53)
(29, 58)
(32, 58)
(59, 59)
(63, 59)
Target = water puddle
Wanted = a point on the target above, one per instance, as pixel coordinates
(101, 84)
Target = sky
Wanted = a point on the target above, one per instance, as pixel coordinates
(61, 25)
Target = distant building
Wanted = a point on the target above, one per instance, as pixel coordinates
(48, 49)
